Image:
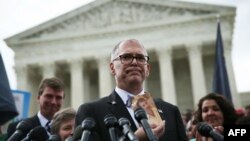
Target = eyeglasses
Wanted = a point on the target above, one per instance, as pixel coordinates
(128, 59)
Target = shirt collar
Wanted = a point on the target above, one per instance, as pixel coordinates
(42, 119)
(124, 94)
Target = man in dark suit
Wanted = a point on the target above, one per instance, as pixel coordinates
(50, 98)
(130, 67)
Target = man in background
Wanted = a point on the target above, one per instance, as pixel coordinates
(50, 98)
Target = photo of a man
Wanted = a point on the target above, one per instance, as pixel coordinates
(146, 102)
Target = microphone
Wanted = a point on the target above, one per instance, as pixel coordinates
(22, 128)
(206, 130)
(39, 133)
(70, 138)
(87, 126)
(125, 124)
(141, 117)
(111, 123)
(77, 133)
(54, 137)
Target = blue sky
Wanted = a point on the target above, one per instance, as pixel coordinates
(19, 15)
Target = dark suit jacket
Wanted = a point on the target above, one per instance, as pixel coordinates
(34, 121)
(113, 104)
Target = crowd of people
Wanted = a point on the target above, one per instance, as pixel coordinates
(130, 67)
(217, 111)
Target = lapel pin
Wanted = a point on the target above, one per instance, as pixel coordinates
(160, 111)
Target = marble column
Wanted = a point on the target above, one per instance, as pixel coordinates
(105, 83)
(197, 72)
(230, 73)
(48, 70)
(24, 85)
(76, 82)
(167, 75)
(22, 77)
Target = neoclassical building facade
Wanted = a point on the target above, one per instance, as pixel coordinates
(179, 36)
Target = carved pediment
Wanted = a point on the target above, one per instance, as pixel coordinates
(115, 14)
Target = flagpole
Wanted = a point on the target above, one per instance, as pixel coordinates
(218, 18)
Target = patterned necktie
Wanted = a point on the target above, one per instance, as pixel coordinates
(47, 126)
(129, 101)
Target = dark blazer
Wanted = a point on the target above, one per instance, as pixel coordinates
(34, 121)
(113, 104)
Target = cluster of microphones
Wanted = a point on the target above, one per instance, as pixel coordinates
(84, 131)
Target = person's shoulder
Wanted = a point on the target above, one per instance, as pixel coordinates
(160, 102)
(13, 124)
(94, 103)
(12, 128)
(33, 119)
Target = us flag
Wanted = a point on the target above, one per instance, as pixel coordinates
(220, 80)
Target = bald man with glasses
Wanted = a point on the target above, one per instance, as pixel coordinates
(130, 67)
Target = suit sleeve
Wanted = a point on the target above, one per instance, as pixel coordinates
(174, 127)
(180, 126)
(84, 111)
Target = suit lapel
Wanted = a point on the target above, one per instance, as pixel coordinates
(159, 109)
(119, 109)
(37, 121)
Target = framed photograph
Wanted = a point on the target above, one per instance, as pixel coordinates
(146, 102)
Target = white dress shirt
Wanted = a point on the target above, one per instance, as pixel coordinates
(43, 121)
(124, 96)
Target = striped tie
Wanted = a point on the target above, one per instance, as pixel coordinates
(129, 101)
(47, 126)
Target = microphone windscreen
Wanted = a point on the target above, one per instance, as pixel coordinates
(70, 138)
(25, 126)
(123, 121)
(88, 124)
(204, 129)
(140, 114)
(39, 133)
(110, 120)
(54, 137)
(77, 133)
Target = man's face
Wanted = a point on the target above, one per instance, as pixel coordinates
(50, 102)
(133, 73)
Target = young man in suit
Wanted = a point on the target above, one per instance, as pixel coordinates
(129, 66)
(50, 98)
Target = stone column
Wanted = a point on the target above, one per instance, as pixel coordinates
(105, 83)
(76, 82)
(167, 75)
(197, 72)
(24, 85)
(230, 73)
(22, 77)
(48, 69)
